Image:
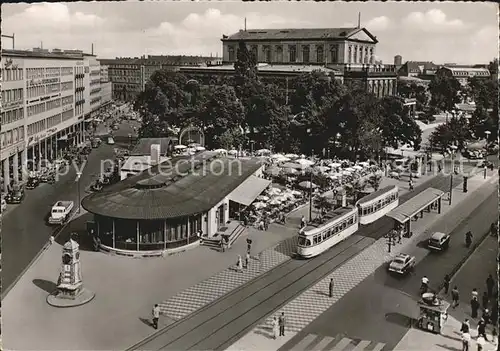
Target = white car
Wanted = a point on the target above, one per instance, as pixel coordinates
(402, 264)
(111, 141)
(4, 204)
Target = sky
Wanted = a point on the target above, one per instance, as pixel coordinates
(427, 31)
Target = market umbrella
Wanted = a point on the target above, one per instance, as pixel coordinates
(364, 164)
(200, 148)
(272, 170)
(322, 168)
(335, 165)
(307, 185)
(358, 168)
(221, 151)
(233, 152)
(276, 156)
(263, 151)
(258, 205)
(290, 171)
(346, 173)
(263, 198)
(292, 165)
(193, 144)
(274, 191)
(180, 147)
(296, 192)
(305, 162)
(292, 156)
(274, 202)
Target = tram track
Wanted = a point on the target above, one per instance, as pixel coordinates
(245, 306)
(219, 324)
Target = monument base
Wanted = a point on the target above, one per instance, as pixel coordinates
(62, 299)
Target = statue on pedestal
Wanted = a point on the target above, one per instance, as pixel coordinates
(70, 290)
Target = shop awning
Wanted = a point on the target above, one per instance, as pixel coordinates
(248, 191)
(416, 204)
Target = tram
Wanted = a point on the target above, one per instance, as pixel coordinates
(340, 224)
(344, 221)
(377, 204)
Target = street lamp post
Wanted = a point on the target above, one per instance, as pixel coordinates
(310, 196)
(77, 180)
(486, 153)
(452, 148)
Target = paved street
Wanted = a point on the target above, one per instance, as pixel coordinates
(24, 228)
(383, 315)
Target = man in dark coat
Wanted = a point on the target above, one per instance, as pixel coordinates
(474, 304)
(331, 288)
(490, 283)
(281, 323)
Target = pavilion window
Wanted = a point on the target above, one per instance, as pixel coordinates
(350, 54)
(279, 54)
(231, 54)
(267, 51)
(319, 54)
(355, 58)
(292, 49)
(305, 54)
(333, 54)
(254, 53)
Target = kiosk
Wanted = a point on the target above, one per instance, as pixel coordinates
(433, 313)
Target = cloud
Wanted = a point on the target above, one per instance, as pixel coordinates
(378, 23)
(433, 20)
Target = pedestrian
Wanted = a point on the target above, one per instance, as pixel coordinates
(51, 239)
(276, 328)
(302, 222)
(465, 341)
(485, 300)
(156, 315)
(331, 288)
(486, 317)
(222, 244)
(446, 284)
(465, 326)
(474, 304)
(481, 330)
(247, 260)
(425, 285)
(239, 264)
(490, 283)
(249, 245)
(410, 183)
(455, 297)
(475, 294)
(266, 224)
(282, 322)
(480, 343)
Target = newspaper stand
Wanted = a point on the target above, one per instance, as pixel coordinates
(433, 313)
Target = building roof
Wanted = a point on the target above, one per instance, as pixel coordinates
(468, 70)
(404, 212)
(248, 191)
(329, 217)
(180, 187)
(62, 55)
(376, 194)
(143, 147)
(296, 34)
(418, 66)
(139, 163)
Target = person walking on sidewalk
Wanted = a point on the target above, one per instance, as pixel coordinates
(302, 222)
(480, 343)
(465, 341)
(455, 296)
(490, 283)
(446, 284)
(239, 264)
(247, 260)
(486, 317)
(474, 304)
(410, 185)
(156, 315)
(481, 330)
(276, 328)
(282, 323)
(485, 300)
(475, 294)
(465, 326)
(330, 288)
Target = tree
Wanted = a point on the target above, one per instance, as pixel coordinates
(222, 112)
(396, 124)
(455, 132)
(323, 204)
(245, 72)
(354, 188)
(444, 92)
(374, 180)
(409, 90)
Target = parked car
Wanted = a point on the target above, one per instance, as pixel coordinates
(111, 141)
(439, 241)
(16, 195)
(32, 183)
(402, 264)
(487, 164)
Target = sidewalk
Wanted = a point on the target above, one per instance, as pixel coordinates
(313, 302)
(472, 274)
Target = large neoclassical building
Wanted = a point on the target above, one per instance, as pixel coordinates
(167, 206)
(344, 54)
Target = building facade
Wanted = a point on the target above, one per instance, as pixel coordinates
(45, 98)
(464, 73)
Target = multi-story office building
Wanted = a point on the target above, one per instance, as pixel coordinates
(130, 75)
(346, 54)
(45, 97)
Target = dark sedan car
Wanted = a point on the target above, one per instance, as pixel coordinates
(32, 183)
(15, 196)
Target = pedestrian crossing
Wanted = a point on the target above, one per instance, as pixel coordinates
(313, 342)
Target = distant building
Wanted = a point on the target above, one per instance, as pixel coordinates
(464, 73)
(398, 60)
(420, 69)
(130, 75)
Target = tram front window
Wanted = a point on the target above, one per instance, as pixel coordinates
(303, 241)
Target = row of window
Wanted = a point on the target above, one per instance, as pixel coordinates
(12, 116)
(95, 91)
(122, 73)
(12, 136)
(36, 127)
(67, 86)
(67, 100)
(360, 54)
(53, 120)
(12, 74)
(53, 88)
(53, 104)
(95, 101)
(68, 114)
(52, 72)
(36, 109)
(376, 206)
(35, 73)
(66, 71)
(328, 233)
(12, 95)
(78, 110)
(95, 82)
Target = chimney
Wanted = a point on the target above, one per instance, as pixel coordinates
(245, 24)
(155, 154)
(92, 49)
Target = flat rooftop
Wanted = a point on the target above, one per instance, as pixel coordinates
(329, 217)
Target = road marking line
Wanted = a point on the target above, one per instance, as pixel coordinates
(361, 346)
(379, 347)
(301, 346)
(342, 344)
(323, 343)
